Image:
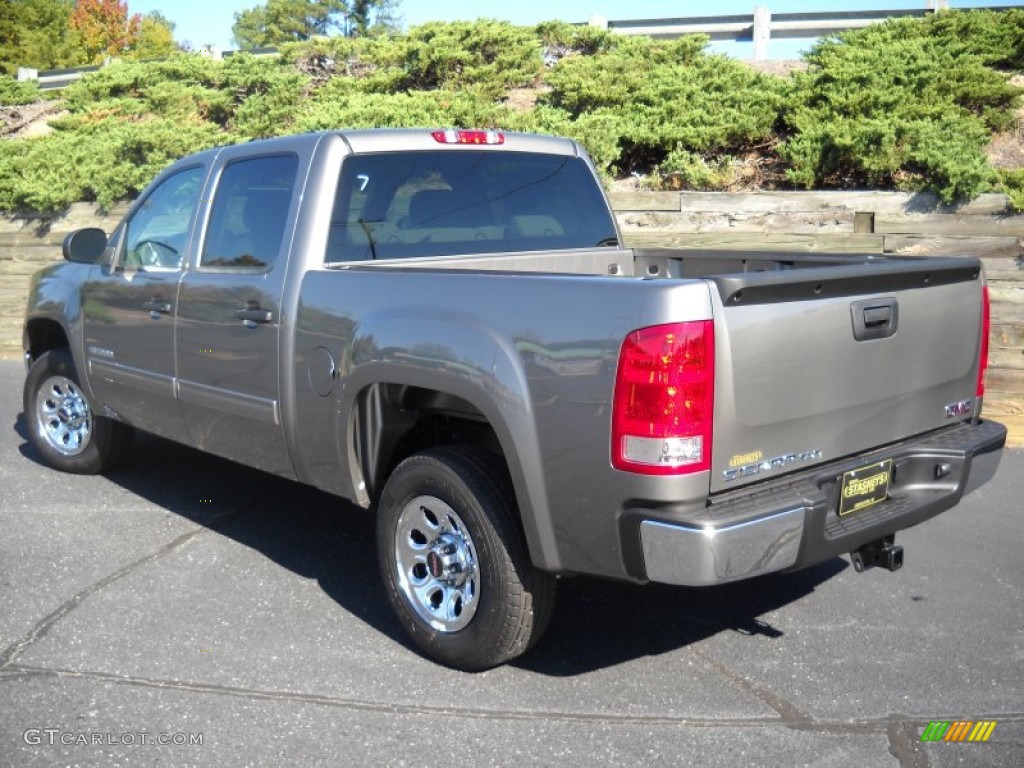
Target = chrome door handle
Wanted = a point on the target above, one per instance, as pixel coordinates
(157, 308)
(250, 316)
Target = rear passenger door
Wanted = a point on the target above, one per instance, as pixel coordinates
(228, 330)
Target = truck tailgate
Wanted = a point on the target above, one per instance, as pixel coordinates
(819, 363)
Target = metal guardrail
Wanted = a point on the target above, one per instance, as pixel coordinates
(760, 27)
(745, 28)
(55, 79)
(763, 26)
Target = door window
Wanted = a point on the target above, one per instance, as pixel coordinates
(157, 233)
(250, 212)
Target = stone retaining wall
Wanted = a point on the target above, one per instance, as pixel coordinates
(28, 243)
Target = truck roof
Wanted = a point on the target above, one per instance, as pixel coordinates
(410, 139)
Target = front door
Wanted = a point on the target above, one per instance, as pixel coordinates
(129, 307)
(229, 316)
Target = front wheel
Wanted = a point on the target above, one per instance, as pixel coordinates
(454, 561)
(61, 422)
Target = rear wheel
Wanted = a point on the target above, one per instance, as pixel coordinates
(454, 561)
(61, 421)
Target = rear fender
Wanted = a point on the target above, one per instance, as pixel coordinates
(475, 364)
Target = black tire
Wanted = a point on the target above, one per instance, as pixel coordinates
(61, 422)
(509, 605)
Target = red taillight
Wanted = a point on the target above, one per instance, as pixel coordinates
(986, 329)
(454, 136)
(664, 400)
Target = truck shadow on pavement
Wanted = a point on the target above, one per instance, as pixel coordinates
(596, 624)
(600, 624)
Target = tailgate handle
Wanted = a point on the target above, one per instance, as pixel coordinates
(874, 318)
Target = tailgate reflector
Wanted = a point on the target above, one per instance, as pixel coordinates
(986, 329)
(664, 399)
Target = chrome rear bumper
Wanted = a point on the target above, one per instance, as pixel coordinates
(791, 523)
(698, 557)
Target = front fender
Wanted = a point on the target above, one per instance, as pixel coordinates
(55, 298)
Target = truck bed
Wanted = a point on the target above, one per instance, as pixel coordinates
(792, 383)
(646, 263)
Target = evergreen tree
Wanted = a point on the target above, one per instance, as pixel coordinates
(156, 37)
(36, 34)
(287, 21)
(366, 17)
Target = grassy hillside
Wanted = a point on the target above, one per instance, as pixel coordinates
(913, 104)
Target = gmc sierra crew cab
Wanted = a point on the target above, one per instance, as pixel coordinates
(445, 327)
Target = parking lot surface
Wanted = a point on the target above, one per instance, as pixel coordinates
(185, 610)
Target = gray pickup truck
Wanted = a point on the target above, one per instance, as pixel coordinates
(444, 326)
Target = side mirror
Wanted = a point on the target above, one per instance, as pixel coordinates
(85, 245)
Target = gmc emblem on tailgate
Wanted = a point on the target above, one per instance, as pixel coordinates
(962, 408)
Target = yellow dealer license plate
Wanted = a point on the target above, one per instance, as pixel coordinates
(864, 487)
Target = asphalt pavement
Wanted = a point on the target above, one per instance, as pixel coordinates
(184, 610)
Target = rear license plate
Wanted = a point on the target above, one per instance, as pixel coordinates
(864, 487)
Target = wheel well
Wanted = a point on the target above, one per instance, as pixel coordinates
(395, 421)
(44, 335)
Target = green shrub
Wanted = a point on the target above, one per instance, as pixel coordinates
(909, 104)
(664, 96)
(185, 101)
(944, 155)
(265, 93)
(896, 105)
(105, 161)
(561, 39)
(15, 93)
(682, 169)
(336, 49)
(1011, 181)
(416, 109)
(131, 79)
(996, 36)
(599, 132)
(486, 55)
(613, 76)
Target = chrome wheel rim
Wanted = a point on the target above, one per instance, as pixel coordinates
(437, 564)
(63, 416)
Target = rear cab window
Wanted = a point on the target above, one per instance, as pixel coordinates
(443, 203)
